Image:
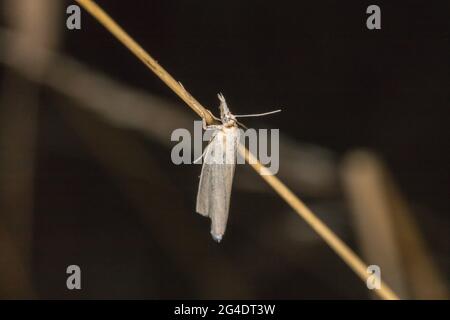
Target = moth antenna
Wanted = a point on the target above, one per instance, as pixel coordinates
(257, 114)
(242, 125)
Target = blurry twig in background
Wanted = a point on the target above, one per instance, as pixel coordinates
(386, 229)
(127, 107)
(353, 261)
(19, 103)
(373, 221)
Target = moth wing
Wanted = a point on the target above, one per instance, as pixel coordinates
(206, 181)
(216, 180)
(204, 188)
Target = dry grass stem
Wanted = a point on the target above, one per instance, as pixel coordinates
(341, 249)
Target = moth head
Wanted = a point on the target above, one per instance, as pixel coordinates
(227, 118)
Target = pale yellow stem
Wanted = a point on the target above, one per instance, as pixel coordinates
(341, 249)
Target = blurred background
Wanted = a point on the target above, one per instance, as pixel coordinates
(86, 176)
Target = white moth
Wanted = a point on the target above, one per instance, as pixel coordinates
(216, 179)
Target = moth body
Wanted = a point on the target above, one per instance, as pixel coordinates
(219, 161)
(216, 179)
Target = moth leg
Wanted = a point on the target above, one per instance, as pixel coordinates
(203, 154)
(214, 127)
(210, 127)
(206, 149)
(242, 125)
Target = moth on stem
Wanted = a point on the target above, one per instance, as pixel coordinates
(339, 247)
(216, 179)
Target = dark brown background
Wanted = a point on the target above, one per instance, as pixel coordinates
(340, 85)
